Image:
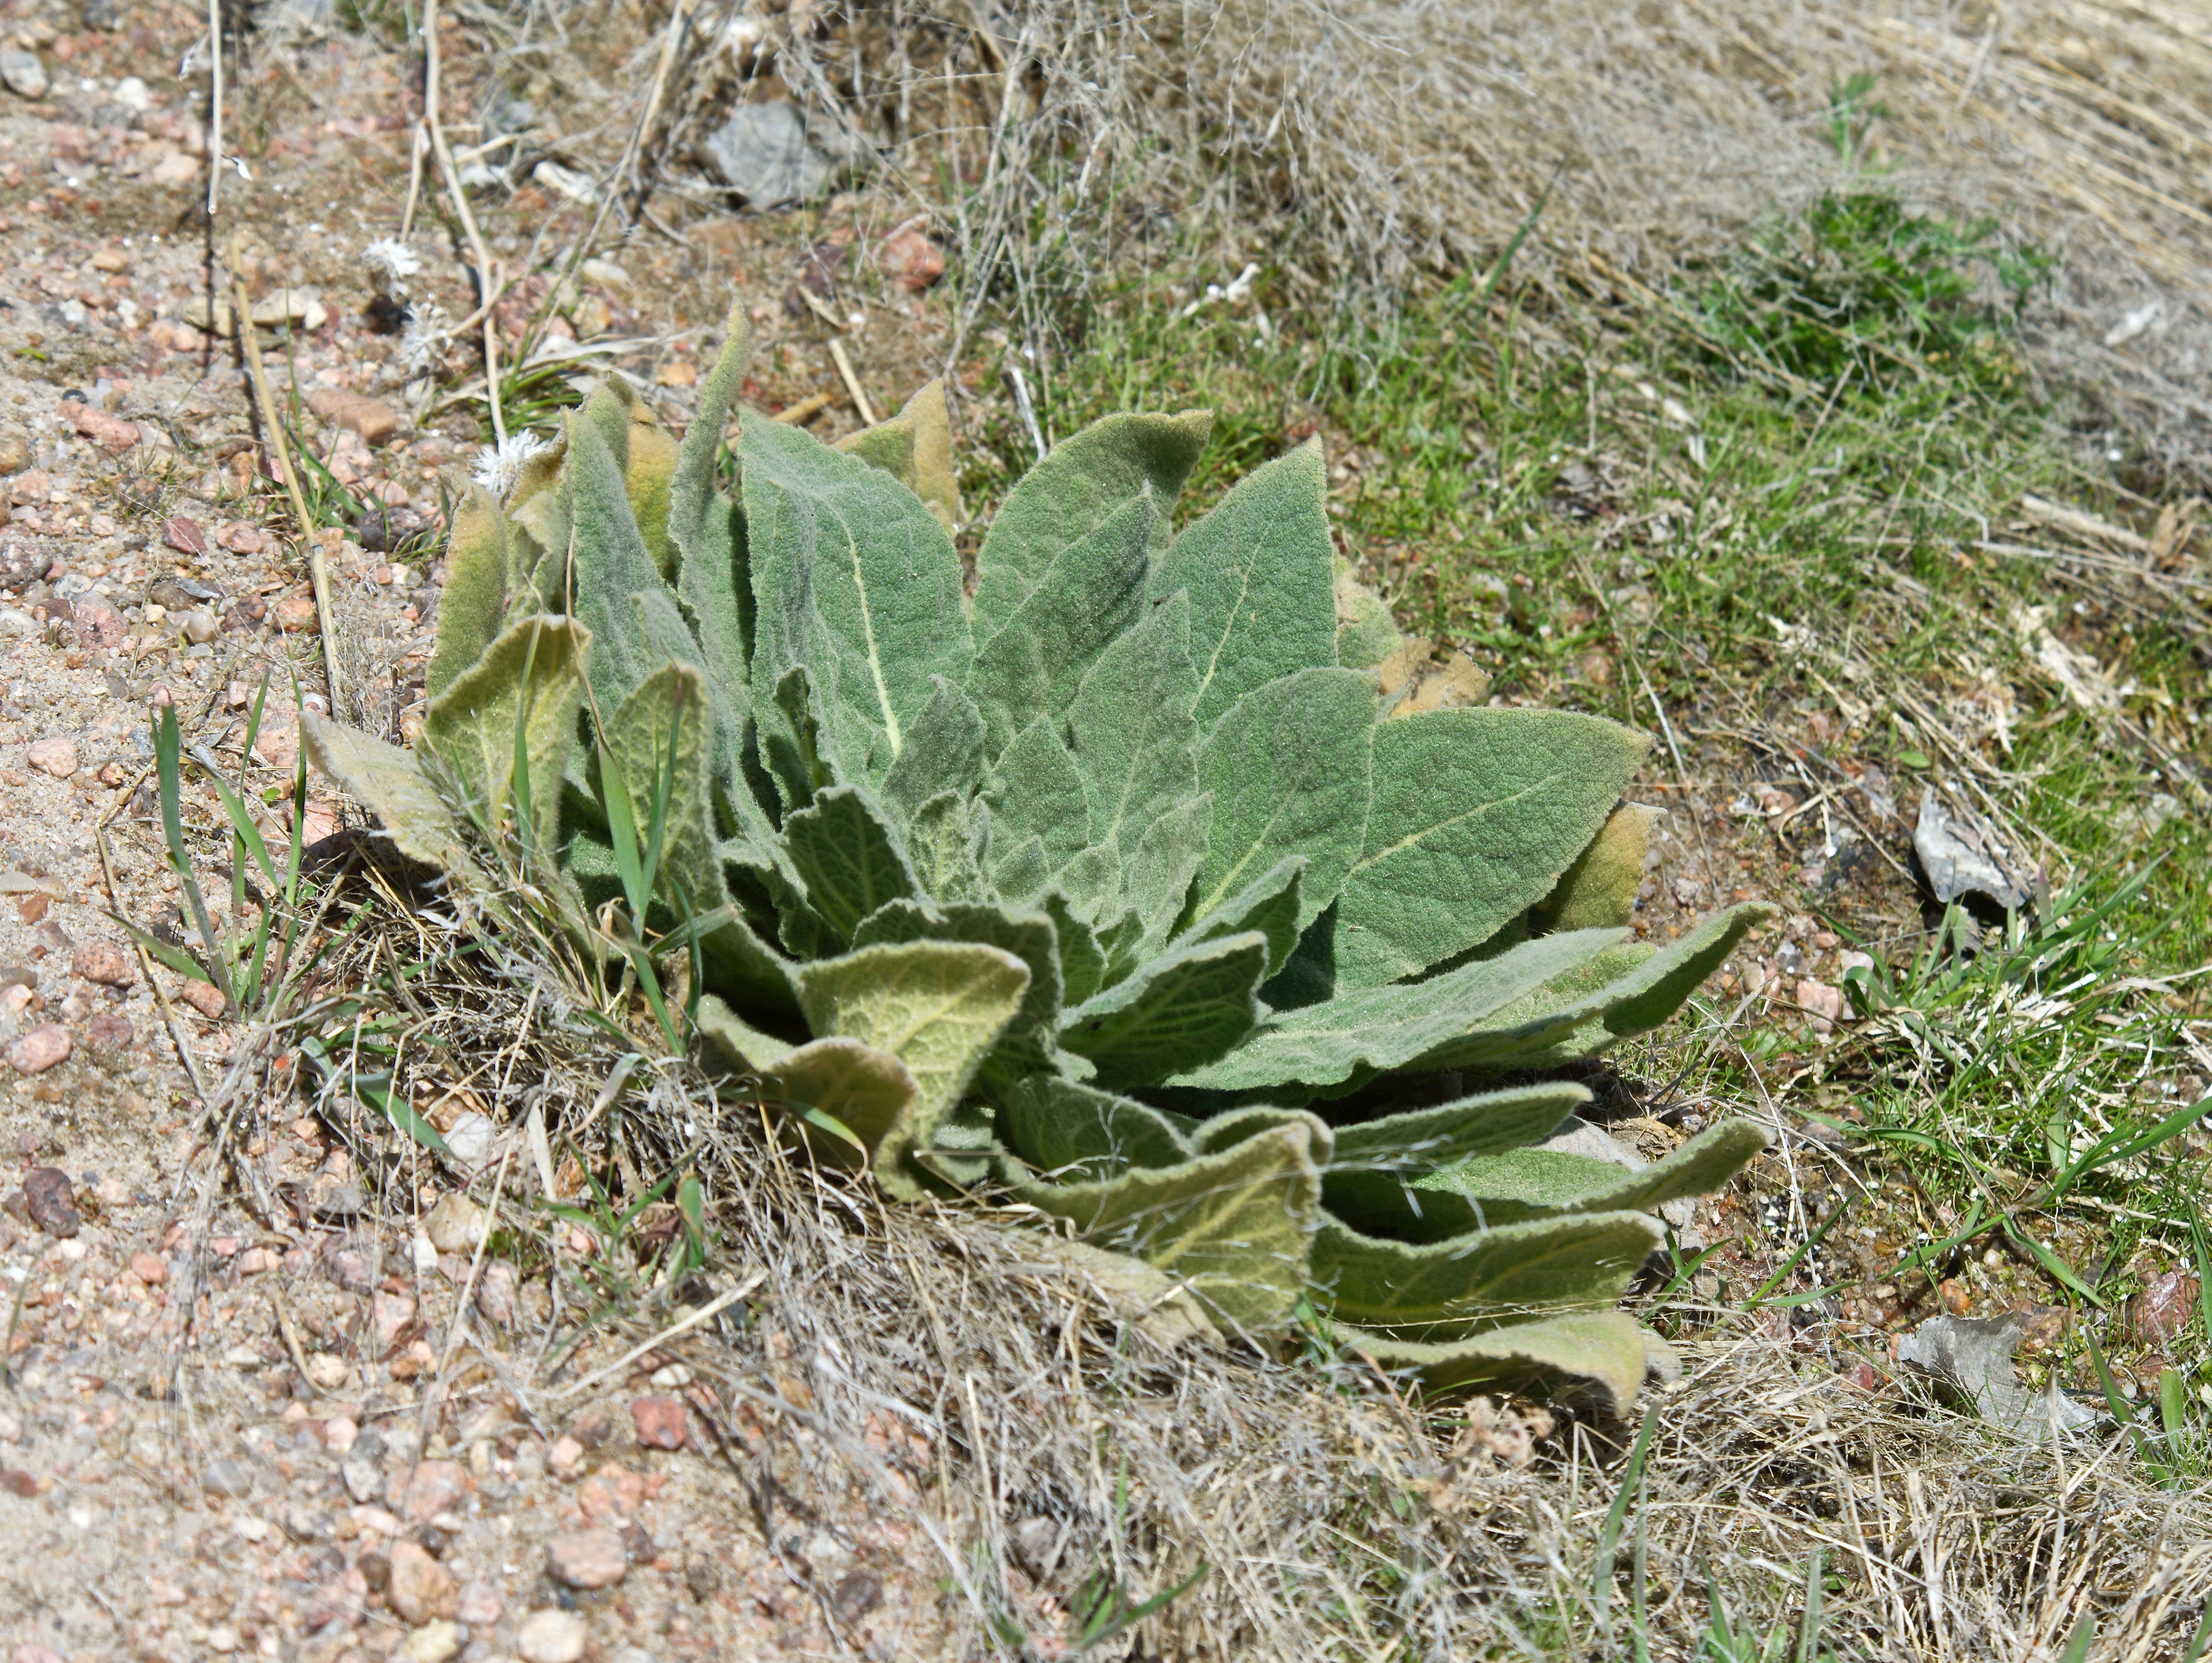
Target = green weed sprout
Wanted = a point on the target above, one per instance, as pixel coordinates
(1119, 886)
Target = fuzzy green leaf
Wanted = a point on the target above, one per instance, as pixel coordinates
(1131, 722)
(1113, 466)
(736, 1040)
(1029, 938)
(793, 750)
(1235, 1227)
(1057, 1126)
(1180, 1011)
(1346, 1039)
(665, 725)
(1626, 990)
(941, 843)
(531, 678)
(473, 605)
(1082, 961)
(1258, 571)
(866, 1091)
(1033, 666)
(1529, 1182)
(1225, 1131)
(1364, 633)
(916, 448)
(1288, 767)
(855, 579)
(848, 857)
(1037, 790)
(1422, 1140)
(389, 783)
(1156, 882)
(1268, 904)
(945, 752)
(1604, 1349)
(1442, 1291)
(937, 1006)
(1475, 814)
(636, 626)
(709, 533)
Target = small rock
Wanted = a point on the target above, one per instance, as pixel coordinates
(370, 417)
(257, 1261)
(435, 1642)
(339, 1433)
(470, 1137)
(204, 997)
(911, 260)
(480, 1606)
(1956, 1300)
(857, 1593)
(295, 615)
(456, 1224)
(11, 1429)
(43, 1047)
(363, 1469)
(51, 1201)
(25, 76)
(227, 1478)
(105, 963)
(1824, 1004)
(199, 626)
(185, 535)
(496, 1295)
(660, 1422)
(437, 1487)
(565, 1456)
(550, 1637)
(149, 1268)
(327, 1372)
(421, 1590)
(391, 1313)
(99, 624)
(107, 1032)
(588, 1559)
(55, 756)
(14, 456)
(111, 432)
(772, 155)
(2156, 1315)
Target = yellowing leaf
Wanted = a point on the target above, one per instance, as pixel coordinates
(1236, 1227)
(1599, 891)
(937, 1006)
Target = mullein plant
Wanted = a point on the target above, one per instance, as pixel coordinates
(1118, 886)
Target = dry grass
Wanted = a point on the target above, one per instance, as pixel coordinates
(1042, 1437)
(1355, 151)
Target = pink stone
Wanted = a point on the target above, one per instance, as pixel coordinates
(437, 1487)
(43, 1047)
(54, 757)
(660, 1422)
(588, 1559)
(421, 1590)
(105, 963)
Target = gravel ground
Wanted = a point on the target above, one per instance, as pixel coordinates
(269, 1468)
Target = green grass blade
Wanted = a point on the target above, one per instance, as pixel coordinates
(1608, 1541)
(1808, 1631)
(375, 1090)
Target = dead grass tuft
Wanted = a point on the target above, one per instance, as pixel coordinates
(1057, 1448)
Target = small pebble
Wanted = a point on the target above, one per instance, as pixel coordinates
(227, 1478)
(56, 757)
(660, 1422)
(435, 1642)
(550, 1637)
(588, 1559)
(45, 1047)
